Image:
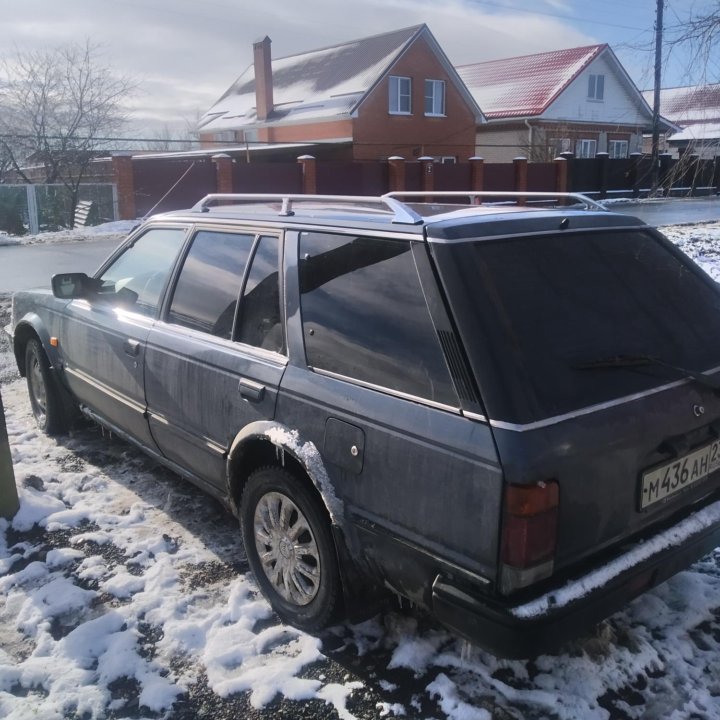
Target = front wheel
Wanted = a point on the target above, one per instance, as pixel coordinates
(290, 548)
(45, 400)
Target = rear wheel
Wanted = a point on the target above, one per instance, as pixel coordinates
(45, 400)
(290, 548)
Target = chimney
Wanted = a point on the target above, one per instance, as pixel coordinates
(263, 78)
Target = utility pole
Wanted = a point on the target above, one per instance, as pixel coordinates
(655, 157)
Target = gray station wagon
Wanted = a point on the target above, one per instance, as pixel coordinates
(508, 414)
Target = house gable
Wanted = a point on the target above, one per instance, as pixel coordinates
(380, 133)
(621, 104)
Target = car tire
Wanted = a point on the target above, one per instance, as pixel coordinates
(290, 548)
(45, 399)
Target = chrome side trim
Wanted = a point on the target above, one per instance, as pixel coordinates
(554, 420)
(505, 236)
(475, 416)
(207, 442)
(387, 391)
(105, 389)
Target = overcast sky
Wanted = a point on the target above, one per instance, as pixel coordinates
(186, 53)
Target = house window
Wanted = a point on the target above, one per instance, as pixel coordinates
(596, 87)
(400, 95)
(225, 136)
(435, 97)
(586, 148)
(618, 149)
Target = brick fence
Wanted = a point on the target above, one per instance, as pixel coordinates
(148, 185)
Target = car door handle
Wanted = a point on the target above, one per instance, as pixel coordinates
(132, 347)
(251, 390)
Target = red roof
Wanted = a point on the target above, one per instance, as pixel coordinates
(525, 86)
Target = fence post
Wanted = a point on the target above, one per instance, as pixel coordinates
(695, 170)
(602, 159)
(477, 174)
(569, 157)
(635, 173)
(520, 167)
(666, 172)
(396, 173)
(428, 176)
(122, 166)
(223, 173)
(716, 174)
(9, 502)
(561, 177)
(309, 174)
(33, 220)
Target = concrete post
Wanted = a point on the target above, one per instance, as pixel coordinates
(396, 173)
(223, 173)
(122, 166)
(9, 502)
(309, 174)
(520, 165)
(477, 174)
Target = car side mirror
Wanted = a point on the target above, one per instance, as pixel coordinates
(68, 286)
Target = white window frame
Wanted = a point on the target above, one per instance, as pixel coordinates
(586, 148)
(614, 151)
(435, 93)
(399, 90)
(596, 87)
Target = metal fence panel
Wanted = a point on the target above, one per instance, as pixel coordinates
(44, 208)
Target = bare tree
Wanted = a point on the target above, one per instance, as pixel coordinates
(699, 37)
(55, 108)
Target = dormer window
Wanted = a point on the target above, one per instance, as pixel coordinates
(596, 87)
(400, 100)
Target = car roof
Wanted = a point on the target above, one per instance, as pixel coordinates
(443, 216)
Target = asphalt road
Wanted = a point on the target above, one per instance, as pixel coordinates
(676, 211)
(29, 266)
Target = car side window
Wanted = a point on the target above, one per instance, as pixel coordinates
(260, 321)
(137, 277)
(207, 289)
(365, 317)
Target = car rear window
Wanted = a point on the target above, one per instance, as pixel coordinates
(531, 309)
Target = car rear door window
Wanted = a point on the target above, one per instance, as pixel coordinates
(207, 289)
(365, 317)
(260, 320)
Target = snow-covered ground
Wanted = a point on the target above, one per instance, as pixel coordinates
(124, 593)
(119, 228)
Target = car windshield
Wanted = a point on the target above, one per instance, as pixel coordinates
(540, 314)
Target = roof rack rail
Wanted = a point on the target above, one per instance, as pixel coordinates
(473, 195)
(401, 212)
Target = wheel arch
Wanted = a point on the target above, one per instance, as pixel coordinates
(32, 327)
(270, 443)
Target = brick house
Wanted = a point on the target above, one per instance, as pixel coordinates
(579, 100)
(390, 94)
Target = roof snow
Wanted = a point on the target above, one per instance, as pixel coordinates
(525, 86)
(320, 84)
(689, 105)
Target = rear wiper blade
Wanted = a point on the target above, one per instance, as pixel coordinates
(630, 361)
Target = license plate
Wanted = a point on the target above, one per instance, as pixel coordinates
(674, 476)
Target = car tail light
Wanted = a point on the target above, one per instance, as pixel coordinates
(529, 535)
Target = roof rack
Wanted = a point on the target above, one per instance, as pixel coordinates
(389, 202)
(400, 211)
(475, 195)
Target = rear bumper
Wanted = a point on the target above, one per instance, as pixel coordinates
(540, 625)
